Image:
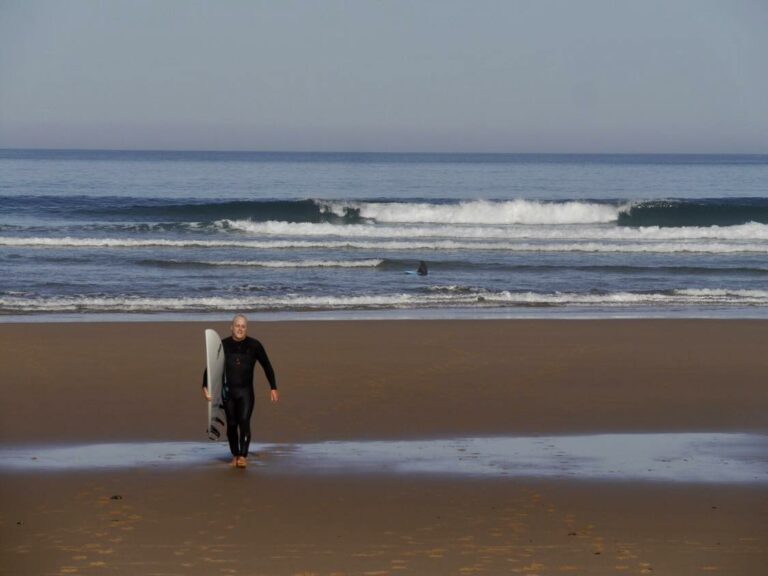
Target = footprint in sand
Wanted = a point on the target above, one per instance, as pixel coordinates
(624, 553)
(532, 568)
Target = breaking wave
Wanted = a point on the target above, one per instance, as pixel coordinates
(443, 297)
(479, 212)
(695, 212)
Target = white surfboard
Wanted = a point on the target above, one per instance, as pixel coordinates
(214, 353)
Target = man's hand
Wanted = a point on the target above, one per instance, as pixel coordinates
(274, 396)
(206, 394)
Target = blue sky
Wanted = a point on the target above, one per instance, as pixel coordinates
(433, 75)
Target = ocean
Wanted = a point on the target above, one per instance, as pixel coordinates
(180, 235)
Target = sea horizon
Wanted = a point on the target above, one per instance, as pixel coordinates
(334, 152)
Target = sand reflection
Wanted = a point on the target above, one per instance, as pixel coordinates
(661, 457)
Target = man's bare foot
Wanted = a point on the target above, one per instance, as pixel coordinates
(242, 462)
(234, 461)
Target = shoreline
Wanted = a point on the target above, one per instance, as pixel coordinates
(447, 314)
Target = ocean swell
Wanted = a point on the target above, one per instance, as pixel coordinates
(696, 212)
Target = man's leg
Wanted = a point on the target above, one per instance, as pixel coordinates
(245, 409)
(230, 409)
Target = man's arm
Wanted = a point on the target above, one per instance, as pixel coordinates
(269, 372)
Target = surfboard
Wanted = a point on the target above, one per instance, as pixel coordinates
(214, 361)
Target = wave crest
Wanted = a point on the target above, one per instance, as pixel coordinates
(696, 212)
(479, 212)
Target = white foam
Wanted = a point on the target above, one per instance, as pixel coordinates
(480, 212)
(396, 245)
(745, 232)
(138, 304)
(72, 242)
(720, 294)
(451, 296)
(370, 263)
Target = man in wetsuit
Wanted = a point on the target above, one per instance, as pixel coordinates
(241, 353)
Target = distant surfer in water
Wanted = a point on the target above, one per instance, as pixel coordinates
(422, 269)
(241, 353)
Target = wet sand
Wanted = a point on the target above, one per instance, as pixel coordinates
(399, 380)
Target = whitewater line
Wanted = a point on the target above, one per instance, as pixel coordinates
(517, 211)
(751, 231)
(449, 298)
(444, 245)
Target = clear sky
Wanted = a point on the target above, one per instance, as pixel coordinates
(430, 75)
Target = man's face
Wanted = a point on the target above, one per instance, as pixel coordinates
(239, 328)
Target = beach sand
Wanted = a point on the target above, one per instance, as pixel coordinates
(381, 380)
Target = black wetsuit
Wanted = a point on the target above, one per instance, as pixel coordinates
(240, 359)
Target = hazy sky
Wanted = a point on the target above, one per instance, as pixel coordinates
(430, 75)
